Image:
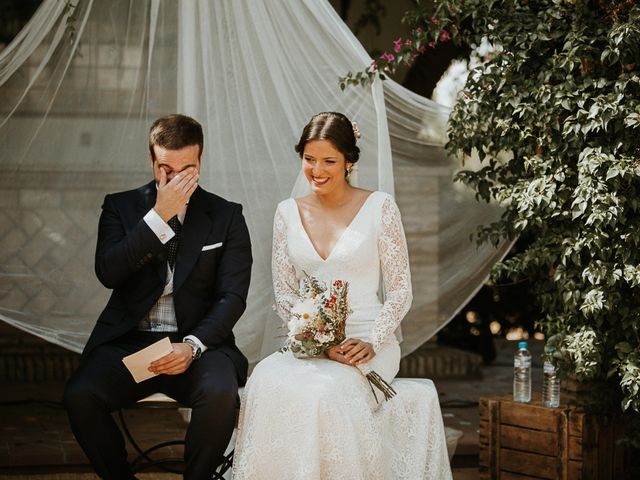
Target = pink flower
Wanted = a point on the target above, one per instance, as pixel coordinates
(407, 42)
(373, 67)
(444, 36)
(397, 45)
(388, 57)
(435, 21)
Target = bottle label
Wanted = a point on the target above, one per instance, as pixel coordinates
(549, 368)
(522, 362)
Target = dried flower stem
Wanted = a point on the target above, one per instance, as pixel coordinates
(379, 382)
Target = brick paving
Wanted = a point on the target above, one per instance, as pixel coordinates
(38, 433)
(82, 476)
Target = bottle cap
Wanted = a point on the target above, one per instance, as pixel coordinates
(551, 349)
(522, 345)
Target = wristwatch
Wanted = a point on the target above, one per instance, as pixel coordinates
(195, 348)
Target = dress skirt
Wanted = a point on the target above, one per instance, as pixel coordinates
(307, 419)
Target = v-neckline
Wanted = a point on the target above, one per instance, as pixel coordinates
(335, 245)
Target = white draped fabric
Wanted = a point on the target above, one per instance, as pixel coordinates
(83, 81)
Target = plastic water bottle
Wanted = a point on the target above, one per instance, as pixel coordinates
(550, 382)
(522, 374)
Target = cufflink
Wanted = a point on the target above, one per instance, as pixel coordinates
(163, 236)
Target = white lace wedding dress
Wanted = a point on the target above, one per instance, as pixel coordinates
(307, 419)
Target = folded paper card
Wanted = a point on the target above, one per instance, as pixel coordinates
(138, 363)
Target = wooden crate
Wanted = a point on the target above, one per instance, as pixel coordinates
(528, 441)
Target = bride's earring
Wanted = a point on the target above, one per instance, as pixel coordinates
(347, 172)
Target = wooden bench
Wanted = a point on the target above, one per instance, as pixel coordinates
(144, 460)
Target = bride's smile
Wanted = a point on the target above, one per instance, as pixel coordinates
(324, 166)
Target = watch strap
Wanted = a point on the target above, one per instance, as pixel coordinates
(197, 351)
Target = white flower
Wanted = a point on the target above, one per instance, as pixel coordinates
(296, 325)
(323, 338)
(304, 308)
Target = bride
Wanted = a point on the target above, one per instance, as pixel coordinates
(319, 418)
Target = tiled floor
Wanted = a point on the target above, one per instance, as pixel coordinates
(35, 437)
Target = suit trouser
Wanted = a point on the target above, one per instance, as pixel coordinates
(102, 385)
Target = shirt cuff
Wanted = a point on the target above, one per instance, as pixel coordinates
(197, 342)
(162, 229)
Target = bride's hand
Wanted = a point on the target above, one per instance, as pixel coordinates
(336, 354)
(356, 351)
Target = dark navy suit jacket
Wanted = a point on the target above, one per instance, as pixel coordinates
(209, 288)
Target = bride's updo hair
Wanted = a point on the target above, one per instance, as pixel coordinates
(336, 128)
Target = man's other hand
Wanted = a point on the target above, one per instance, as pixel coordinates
(175, 362)
(175, 194)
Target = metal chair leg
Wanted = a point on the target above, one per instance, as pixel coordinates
(223, 467)
(144, 461)
(143, 455)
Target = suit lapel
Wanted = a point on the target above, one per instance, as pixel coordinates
(147, 201)
(196, 227)
(148, 194)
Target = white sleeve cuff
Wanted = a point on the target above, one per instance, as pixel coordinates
(197, 342)
(162, 230)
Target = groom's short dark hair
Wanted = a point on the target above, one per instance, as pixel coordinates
(175, 132)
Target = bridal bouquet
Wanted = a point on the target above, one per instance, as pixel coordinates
(318, 321)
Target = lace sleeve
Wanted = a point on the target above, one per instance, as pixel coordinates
(285, 285)
(396, 276)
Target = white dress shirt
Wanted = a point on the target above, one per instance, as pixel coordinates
(162, 316)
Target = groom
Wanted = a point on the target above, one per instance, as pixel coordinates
(178, 260)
